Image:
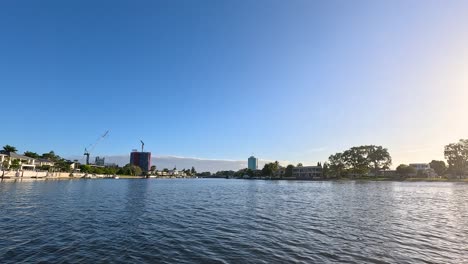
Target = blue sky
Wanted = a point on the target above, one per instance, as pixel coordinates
(286, 80)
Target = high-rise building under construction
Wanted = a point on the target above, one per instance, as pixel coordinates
(141, 159)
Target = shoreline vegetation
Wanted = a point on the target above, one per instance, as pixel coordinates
(361, 179)
(367, 162)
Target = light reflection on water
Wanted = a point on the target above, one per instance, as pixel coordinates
(232, 221)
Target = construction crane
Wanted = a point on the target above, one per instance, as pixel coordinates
(91, 147)
(142, 145)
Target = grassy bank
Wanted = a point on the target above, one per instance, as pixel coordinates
(402, 180)
(130, 177)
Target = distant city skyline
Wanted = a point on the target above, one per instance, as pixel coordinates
(200, 164)
(292, 81)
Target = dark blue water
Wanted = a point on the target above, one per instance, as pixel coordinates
(232, 221)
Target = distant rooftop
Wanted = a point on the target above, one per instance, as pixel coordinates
(17, 156)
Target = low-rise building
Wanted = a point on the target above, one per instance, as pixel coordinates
(162, 173)
(75, 165)
(420, 166)
(25, 163)
(423, 169)
(44, 162)
(280, 172)
(308, 172)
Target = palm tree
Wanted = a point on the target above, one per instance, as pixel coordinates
(8, 148)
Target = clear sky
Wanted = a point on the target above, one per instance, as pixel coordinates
(284, 80)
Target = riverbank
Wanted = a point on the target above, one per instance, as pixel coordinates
(67, 177)
(355, 179)
(403, 180)
(130, 177)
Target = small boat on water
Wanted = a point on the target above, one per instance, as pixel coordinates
(116, 177)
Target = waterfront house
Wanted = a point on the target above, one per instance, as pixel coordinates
(420, 166)
(25, 163)
(173, 172)
(75, 165)
(162, 173)
(44, 162)
(280, 172)
(308, 172)
(423, 169)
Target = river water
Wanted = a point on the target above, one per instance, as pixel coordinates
(232, 221)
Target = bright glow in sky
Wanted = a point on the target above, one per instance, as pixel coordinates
(285, 80)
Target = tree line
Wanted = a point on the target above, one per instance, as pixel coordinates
(367, 160)
(269, 170)
(360, 160)
(363, 160)
(353, 162)
(456, 155)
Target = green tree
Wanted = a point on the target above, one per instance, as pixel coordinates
(15, 164)
(5, 165)
(86, 168)
(266, 171)
(99, 170)
(438, 166)
(378, 157)
(30, 154)
(45, 167)
(225, 174)
(288, 172)
(299, 165)
(276, 164)
(136, 170)
(360, 160)
(456, 155)
(241, 173)
(8, 148)
(205, 174)
(62, 165)
(326, 170)
(51, 156)
(421, 174)
(130, 170)
(356, 159)
(337, 166)
(110, 170)
(270, 168)
(193, 171)
(405, 170)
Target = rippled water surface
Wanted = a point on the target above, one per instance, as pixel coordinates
(232, 221)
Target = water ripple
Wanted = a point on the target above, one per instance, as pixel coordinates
(232, 221)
